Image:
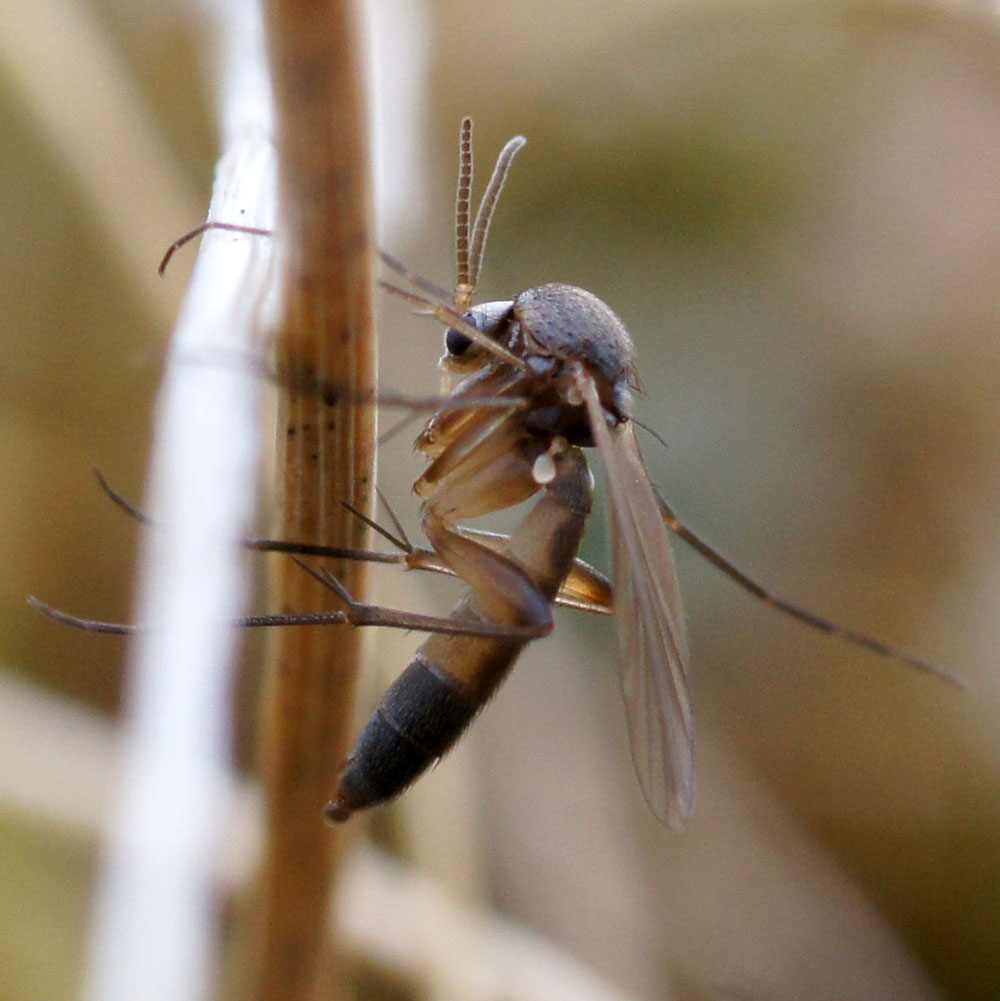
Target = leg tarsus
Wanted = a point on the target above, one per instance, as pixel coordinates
(230, 227)
(358, 613)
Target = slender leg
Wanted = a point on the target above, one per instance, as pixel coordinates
(356, 614)
(768, 597)
(230, 227)
(586, 589)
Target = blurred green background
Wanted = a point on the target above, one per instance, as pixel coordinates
(795, 207)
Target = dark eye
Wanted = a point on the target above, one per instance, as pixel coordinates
(456, 343)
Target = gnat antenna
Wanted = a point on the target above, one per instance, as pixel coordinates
(464, 289)
(470, 257)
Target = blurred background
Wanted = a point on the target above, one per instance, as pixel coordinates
(795, 208)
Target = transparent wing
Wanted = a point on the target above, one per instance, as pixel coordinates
(651, 631)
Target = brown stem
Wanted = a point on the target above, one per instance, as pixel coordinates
(326, 456)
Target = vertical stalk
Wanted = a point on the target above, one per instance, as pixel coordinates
(326, 457)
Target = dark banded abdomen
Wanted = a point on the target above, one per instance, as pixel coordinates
(420, 717)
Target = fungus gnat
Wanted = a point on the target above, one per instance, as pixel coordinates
(540, 377)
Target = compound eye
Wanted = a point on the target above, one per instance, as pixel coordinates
(487, 318)
(456, 343)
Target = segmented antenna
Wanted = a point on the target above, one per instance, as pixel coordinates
(463, 290)
(470, 258)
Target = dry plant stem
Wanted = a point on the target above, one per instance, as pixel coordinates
(326, 457)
